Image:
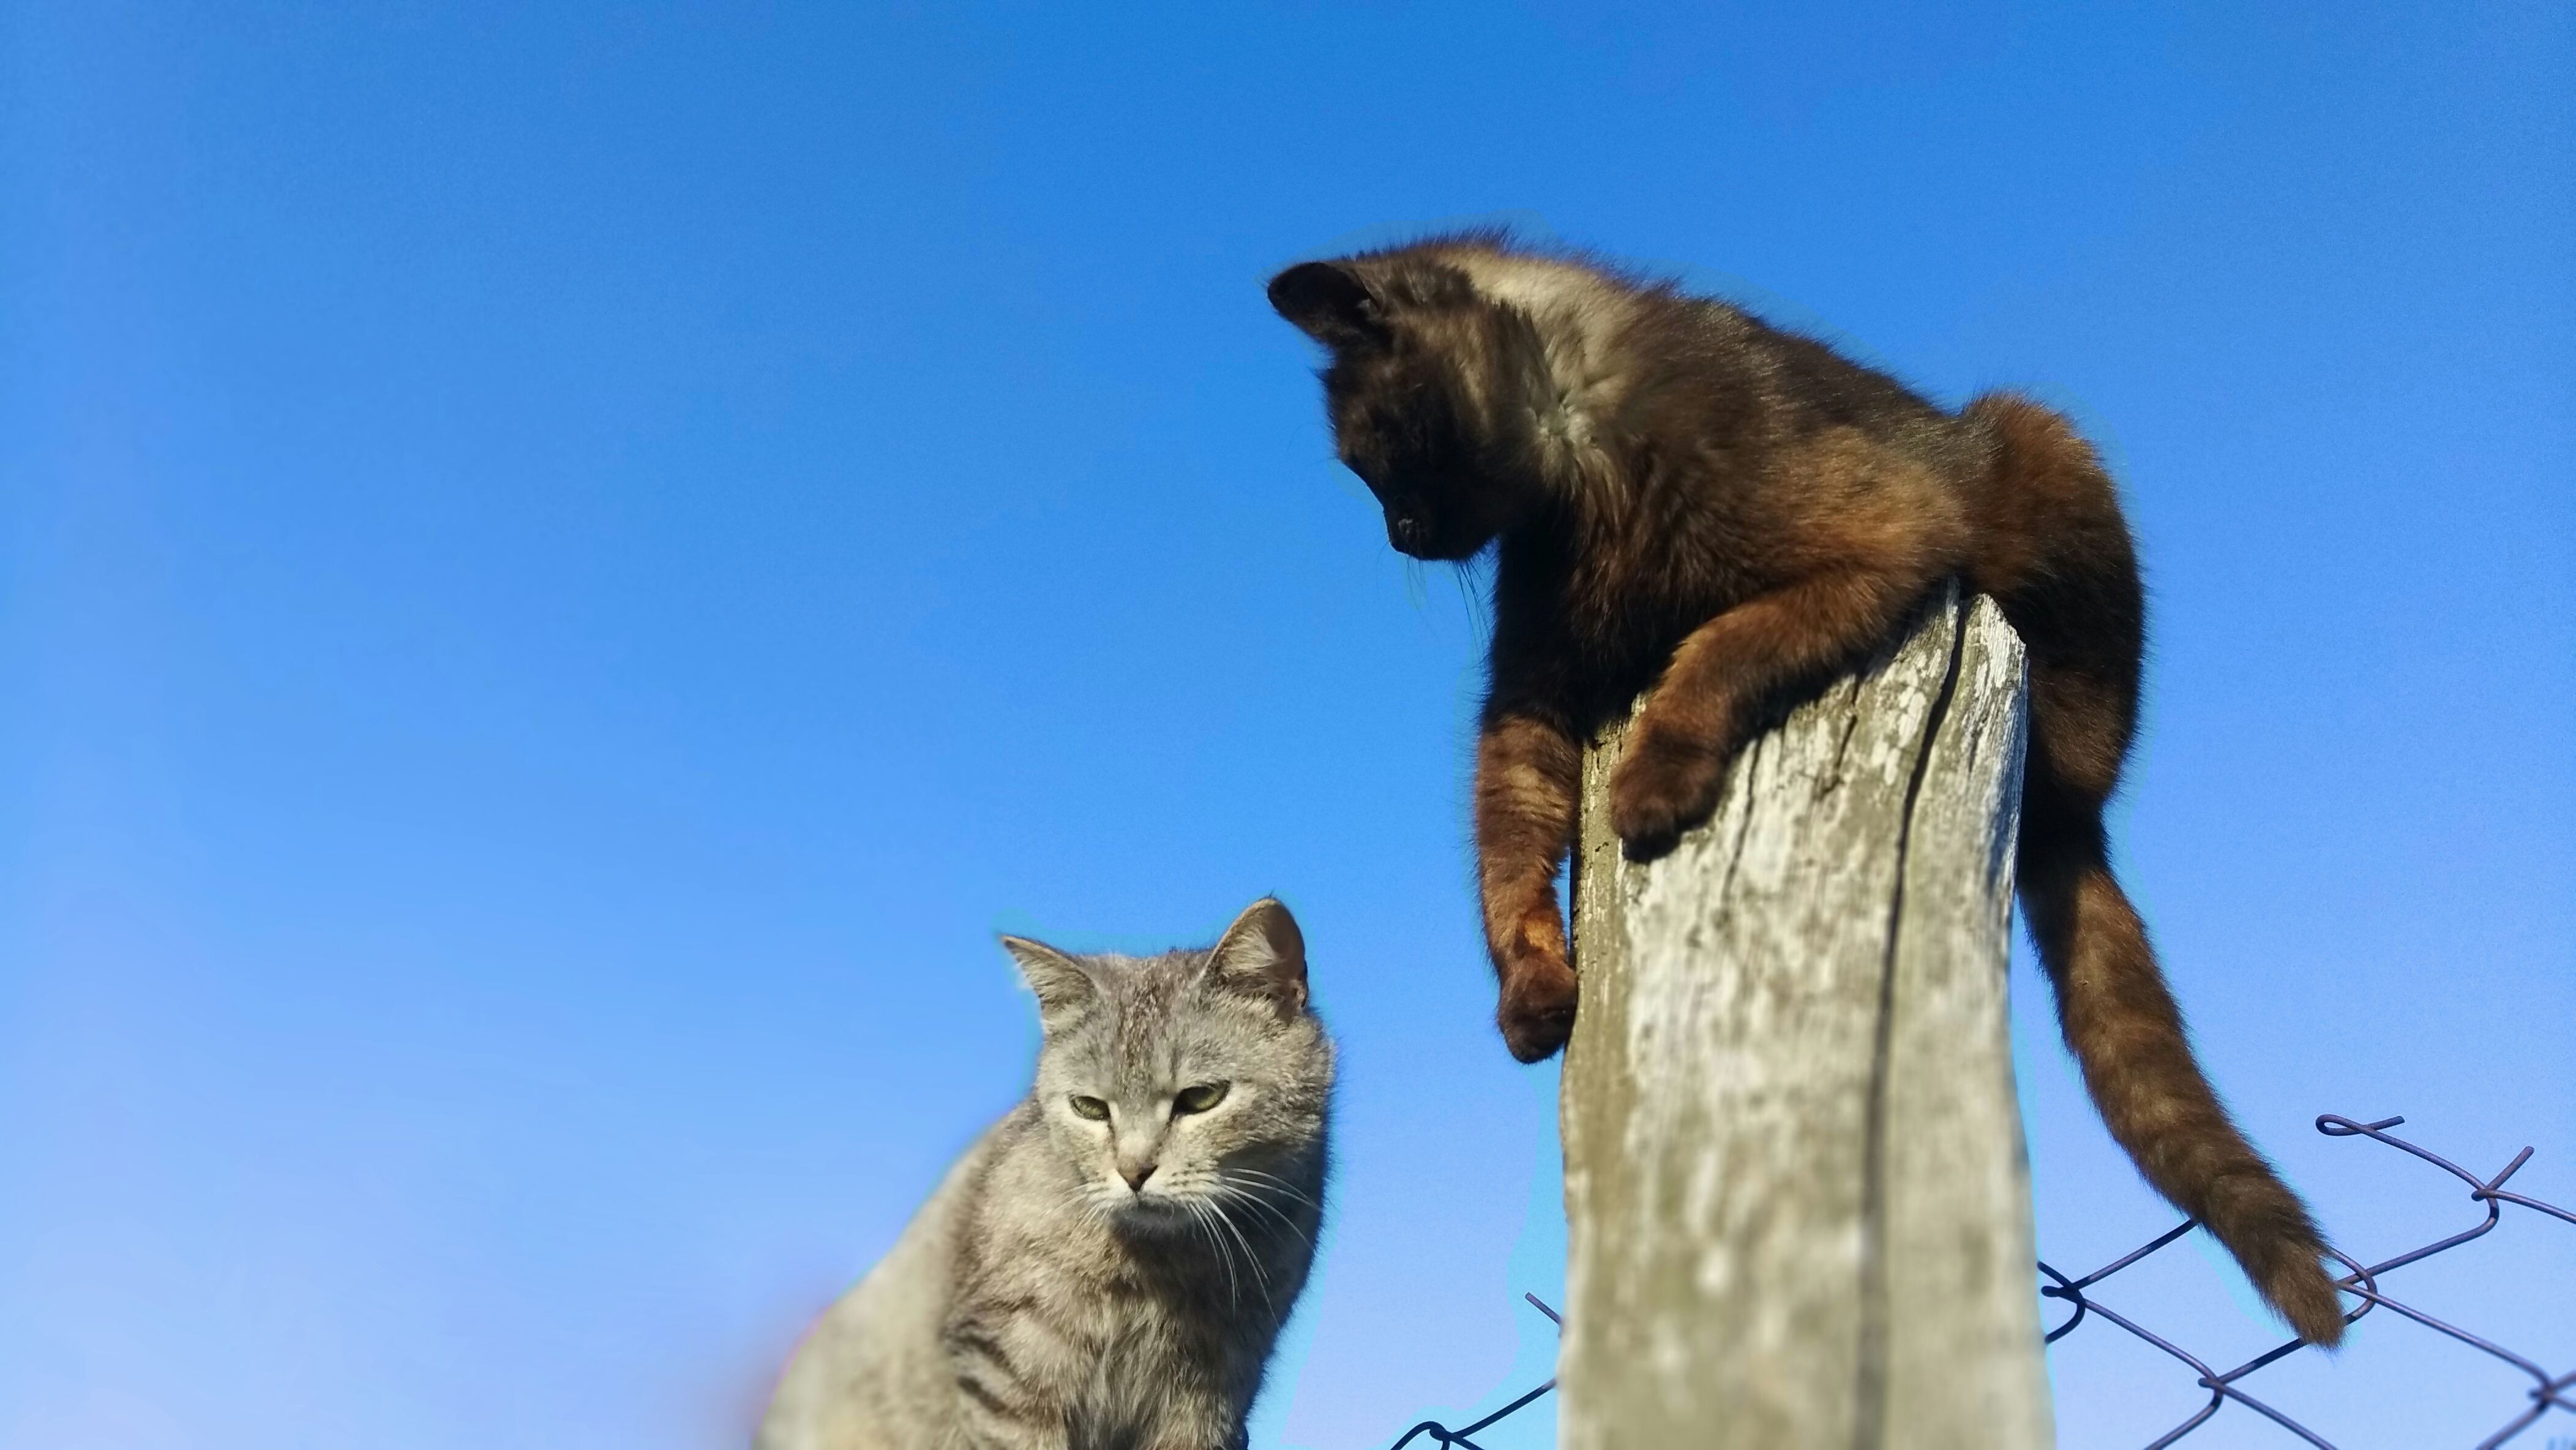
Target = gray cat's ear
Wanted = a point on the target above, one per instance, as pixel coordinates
(1329, 303)
(1063, 988)
(1263, 954)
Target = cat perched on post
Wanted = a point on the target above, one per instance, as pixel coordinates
(1109, 1265)
(1683, 497)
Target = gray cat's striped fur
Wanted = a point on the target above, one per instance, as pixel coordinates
(1108, 1267)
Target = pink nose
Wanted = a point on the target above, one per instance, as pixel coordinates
(1136, 1177)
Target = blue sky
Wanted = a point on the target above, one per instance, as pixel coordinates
(567, 567)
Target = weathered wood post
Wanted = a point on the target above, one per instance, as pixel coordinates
(1798, 1208)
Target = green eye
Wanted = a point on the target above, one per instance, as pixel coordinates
(1092, 1108)
(1198, 1099)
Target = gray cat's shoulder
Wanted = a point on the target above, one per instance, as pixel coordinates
(870, 1374)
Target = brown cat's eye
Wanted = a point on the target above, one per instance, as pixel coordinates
(1198, 1099)
(1092, 1108)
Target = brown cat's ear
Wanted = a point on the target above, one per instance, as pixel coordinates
(1063, 988)
(1263, 954)
(1329, 303)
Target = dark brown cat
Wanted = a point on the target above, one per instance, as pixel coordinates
(1681, 496)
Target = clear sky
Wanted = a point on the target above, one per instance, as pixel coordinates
(563, 569)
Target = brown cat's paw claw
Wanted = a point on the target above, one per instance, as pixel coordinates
(1661, 790)
(1537, 1011)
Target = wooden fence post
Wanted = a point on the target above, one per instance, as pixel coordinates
(1798, 1206)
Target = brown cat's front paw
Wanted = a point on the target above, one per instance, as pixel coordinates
(1537, 1008)
(1662, 788)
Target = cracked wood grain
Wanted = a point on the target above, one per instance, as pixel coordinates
(1798, 1208)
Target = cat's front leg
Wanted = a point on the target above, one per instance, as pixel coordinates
(1195, 1416)
(1687, 734)
(1529, 776)
(1003, 1400)
(1233, 1439)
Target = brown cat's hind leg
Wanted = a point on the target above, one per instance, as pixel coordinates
(1528, 774)
(1692, 725)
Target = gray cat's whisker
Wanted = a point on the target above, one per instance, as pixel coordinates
(1224, 1252)
(1272, 1184)
(1264, 1205)
(1199, 1224)
(1240, 1195)
(1260, 1276)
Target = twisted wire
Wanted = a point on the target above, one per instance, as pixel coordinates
(2548, 1392)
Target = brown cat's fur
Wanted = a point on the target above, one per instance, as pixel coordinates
(1681, 496)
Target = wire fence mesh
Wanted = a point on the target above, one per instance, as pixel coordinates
(2549, 1391)
(1442, 1435)
(2227, 1387)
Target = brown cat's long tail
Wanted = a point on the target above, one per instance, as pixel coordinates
(2061, 566)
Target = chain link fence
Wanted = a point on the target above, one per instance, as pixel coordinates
(1442, 1435)
(2549, 1392)
(2227, 1387)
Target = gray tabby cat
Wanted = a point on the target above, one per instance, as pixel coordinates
(1108, 1266)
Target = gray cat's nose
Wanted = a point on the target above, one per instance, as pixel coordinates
(1136, 1176)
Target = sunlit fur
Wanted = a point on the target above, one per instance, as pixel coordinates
(1099, 1285)
(1678, 495)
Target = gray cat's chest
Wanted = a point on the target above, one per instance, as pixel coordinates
(1116, 1354)
(1141, 1347)
(1115, 1334)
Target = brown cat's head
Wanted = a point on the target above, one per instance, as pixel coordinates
(1436, 390)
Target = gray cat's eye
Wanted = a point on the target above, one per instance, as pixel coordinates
(1092, 1108)
(1199, 1099)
